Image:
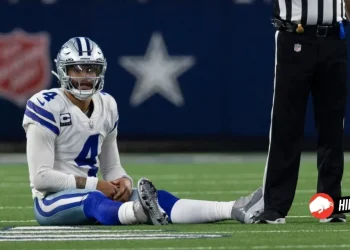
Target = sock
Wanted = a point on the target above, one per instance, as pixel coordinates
(166, 201)
(193, 211)
(199, 211)
(97, 206)
(126, 213)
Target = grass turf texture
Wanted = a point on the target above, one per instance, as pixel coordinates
(195, 181)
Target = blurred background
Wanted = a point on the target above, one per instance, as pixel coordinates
(206, 81)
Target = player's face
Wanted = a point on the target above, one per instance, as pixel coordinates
(83, 75)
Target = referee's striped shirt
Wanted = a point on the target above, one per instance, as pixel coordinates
(310, 12)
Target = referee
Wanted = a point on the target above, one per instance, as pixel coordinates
(311, 57)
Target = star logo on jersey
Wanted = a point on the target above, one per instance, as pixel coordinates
(157, 72)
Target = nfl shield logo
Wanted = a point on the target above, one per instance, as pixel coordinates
(24, 65)
(297, 47)
(91, 124)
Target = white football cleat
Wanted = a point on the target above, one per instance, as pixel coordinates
(246, 208)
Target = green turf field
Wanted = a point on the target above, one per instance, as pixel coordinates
(223, 182)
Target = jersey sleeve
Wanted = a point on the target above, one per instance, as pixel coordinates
(110, 164)
(114, 116)
(41, 156)
(43, 110)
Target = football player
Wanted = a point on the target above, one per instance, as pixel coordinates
(71, 133)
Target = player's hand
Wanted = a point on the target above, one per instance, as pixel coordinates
(124, 189)
(107, 188)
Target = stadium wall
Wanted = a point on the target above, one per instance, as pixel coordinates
(212, 64)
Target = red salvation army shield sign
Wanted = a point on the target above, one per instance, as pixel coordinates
(24, 65)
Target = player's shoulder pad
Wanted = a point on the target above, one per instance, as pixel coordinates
(112, 108)
(44, 108)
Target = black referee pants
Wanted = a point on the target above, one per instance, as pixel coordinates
(304, 65)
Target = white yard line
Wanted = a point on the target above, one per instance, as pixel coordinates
(161, 248)
(80, 232)
(16, 207)
(309, 192)
(17, 221)
(52, 235)
(301, 246)
(299, 216)
(30, 221)
(98, 237)
(246, 192)
(220, 248)
(49, 231)
(175, 158)
(279, 231)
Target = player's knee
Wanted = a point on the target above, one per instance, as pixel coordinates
(93, 199)
(96, 194)
(99, 207)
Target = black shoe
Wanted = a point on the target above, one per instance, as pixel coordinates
(334, 218)
(270, 217)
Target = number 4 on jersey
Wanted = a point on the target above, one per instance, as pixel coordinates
(48, 96)
(91, 145)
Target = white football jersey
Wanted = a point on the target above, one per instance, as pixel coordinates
(78, 138)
